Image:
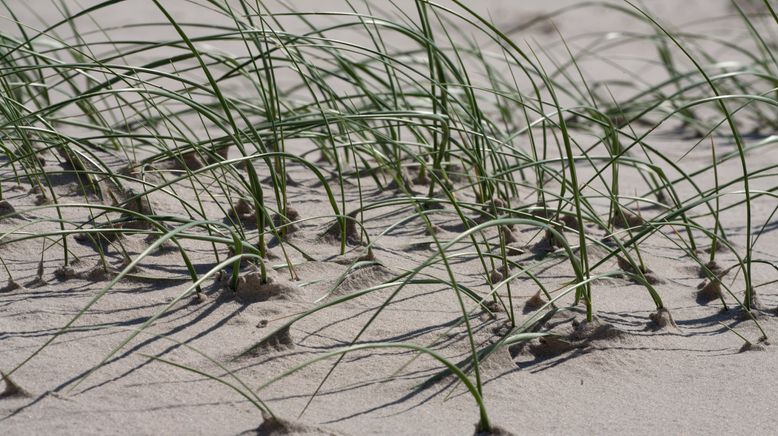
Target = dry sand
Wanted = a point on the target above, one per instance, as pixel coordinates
(689, 379)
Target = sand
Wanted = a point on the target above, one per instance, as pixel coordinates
(630, 371)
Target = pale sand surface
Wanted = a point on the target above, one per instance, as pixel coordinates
(689, 380)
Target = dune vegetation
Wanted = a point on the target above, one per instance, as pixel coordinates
(370, 153)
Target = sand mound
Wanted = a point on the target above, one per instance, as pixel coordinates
(508, 236)
(511, 241)
(548, 243)
(402, 181)
(567, 333)
(137, 170)
(434, 229)
(250, 287)
(495, 277)
(661, 319)
(133, 201)
(493, 306)
(533, 303)
(649, 275)
(497, 362)
(421, 178)
(11, 286)
(751, 346)
(39, 195)
(748, 346)
(274, 426)
(569, 221)
(363, 278)
(708, 290)
(278, 341)
(333, 232)
(438, 202)
(711, 268)
(167, 246)
(499, 274)
(552, 346)
(6, 210)
(96, 273)
(595, 330)
(269, 180)
(624, 219)
(101, 236)
(494, 205)
(189, 161)
(242, 210)
(286, 221)
(495, 431)
(541, 210)
(352, 257)
(12, 390)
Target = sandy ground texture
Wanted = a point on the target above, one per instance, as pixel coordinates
(624, 374)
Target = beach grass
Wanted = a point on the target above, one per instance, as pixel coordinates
(466, 123)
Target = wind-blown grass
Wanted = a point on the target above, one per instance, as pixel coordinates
(466, 128)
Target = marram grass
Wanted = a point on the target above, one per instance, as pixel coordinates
(465, 121)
